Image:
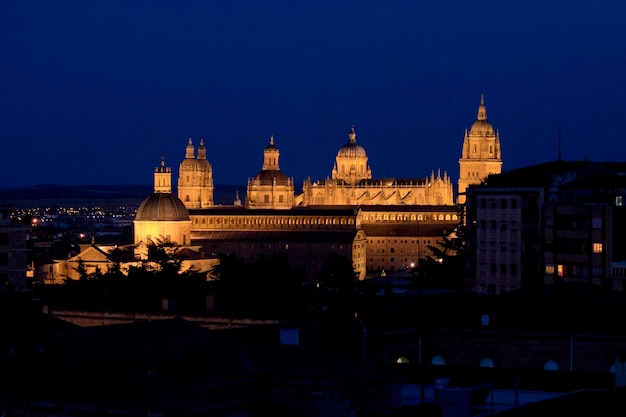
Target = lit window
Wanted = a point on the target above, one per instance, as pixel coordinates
(597, 247)
(618, 200)
(549, 269)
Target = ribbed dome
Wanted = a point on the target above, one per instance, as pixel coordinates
(266, 177)
(351, 150)
(162, 207)
(482, 127)
(189, 163)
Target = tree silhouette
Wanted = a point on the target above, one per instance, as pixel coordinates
(337, 274)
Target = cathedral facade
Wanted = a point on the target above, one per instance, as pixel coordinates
(351, 183)
(384, 224)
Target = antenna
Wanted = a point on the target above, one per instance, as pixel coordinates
(559, 138)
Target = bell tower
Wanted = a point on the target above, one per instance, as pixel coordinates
(480, 155)
(195, 178)
(163, 178)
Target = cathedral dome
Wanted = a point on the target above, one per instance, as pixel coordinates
(351, 149)
(162, 207)
(267, 177)
(482, 127)
(189, 163)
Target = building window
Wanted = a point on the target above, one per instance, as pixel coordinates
(549, 269)
(618, 200)
(596, 222)
(266, 198)
(597, 247)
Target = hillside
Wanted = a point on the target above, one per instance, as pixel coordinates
(79, 194)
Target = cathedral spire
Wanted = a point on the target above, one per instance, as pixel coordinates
(482, 109)
(190, 151)
(201, 150)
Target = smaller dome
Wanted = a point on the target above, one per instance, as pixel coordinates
(162, 207)
(351, 149)
(266, 177)
(189, 163)
(482, 127)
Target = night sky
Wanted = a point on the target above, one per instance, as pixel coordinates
(94, 92)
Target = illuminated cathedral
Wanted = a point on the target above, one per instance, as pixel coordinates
(381, 224)
(351, 183)
(480, 155)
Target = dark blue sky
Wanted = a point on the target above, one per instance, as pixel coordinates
(93, 92)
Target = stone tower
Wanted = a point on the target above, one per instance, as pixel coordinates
(163, 178)
(195, 178)
(481, 152)
(270, 188)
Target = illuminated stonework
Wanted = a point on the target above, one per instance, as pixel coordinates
(481, 155)
(382, 225)
(352, 184)
(308, 235)
(195, 178)
(162, 215)
(351, 162)
(270, 188)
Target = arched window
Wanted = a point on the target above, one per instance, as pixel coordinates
(402, 359)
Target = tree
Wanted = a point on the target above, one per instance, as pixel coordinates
(83, 275)
(337, 274)
(446, 264)
(267, 286)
